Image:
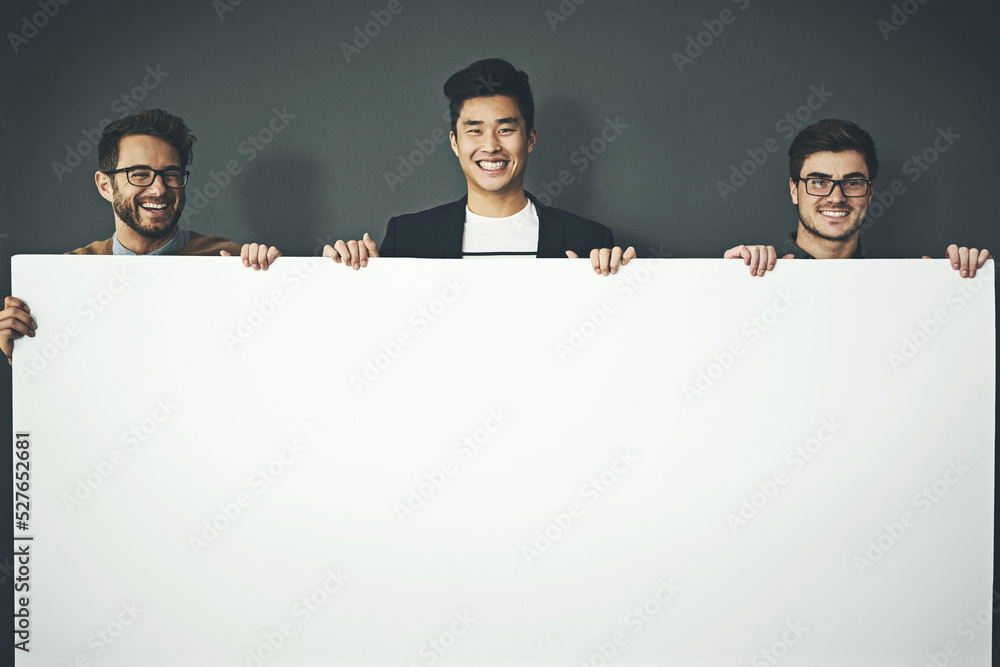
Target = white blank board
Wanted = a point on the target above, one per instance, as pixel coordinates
(505, 463)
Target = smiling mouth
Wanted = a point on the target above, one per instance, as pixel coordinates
(492, 165)
(153, 207)
(834, 214)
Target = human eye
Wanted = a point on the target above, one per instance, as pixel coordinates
(818, 183)
(139, 176)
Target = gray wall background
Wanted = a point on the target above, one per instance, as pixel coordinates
(227, 66)
(323, 176)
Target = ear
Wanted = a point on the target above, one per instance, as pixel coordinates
(532, 138)
(454, 143)
(794, 189)
(104, 185)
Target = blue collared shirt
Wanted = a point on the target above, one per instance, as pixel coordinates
(176, 242)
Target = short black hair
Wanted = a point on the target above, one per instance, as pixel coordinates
(835, 136)
(489, 78)
(152, 122)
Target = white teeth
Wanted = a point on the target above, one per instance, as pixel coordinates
(154, 207)
(492, 166)
(834, 214)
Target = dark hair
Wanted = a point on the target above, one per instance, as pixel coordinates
(835, 136)
(152, 122)
(489, 78)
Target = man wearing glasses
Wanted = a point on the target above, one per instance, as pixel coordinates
(142, 173)
(832, 167)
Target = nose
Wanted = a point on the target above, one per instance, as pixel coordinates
(838, 193)
(158, 186)
(491, 144)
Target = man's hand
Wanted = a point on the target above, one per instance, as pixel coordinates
(15, 321)
(606, 260)
(256, 255)
(354, 254)
(966, 260)
(760, 258)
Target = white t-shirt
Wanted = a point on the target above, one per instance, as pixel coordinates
(513, 236)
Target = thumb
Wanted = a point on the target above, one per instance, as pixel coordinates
(789, 256)
(572, 255)
(371, 245)
(925, 257)
(224, 253)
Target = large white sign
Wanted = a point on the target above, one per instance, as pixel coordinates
(503, 463)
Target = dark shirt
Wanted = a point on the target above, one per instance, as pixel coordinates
(790, 247)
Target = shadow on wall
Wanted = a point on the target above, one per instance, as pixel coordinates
(281, 202)
(562, 165)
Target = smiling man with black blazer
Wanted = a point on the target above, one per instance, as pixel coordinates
(492, 134)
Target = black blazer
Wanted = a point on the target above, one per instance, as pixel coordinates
(437, 233)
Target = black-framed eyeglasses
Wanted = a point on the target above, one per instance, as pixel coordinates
(142, 177)
(823, 187)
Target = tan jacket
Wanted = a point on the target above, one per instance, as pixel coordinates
(198, 244)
